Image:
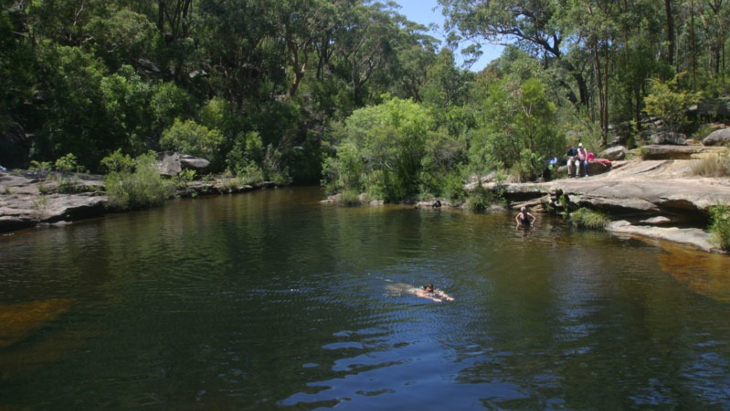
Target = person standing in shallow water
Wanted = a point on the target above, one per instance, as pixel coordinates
(524, 219)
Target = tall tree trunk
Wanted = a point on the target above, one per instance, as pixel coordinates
(604, 128)
(161, 16)
(693, 44)
(670, 32)
(600, 69)
(580, 80)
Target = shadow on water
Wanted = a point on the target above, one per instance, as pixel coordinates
(271, 300)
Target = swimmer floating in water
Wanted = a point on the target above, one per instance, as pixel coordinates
(433, 294)
(427, 291)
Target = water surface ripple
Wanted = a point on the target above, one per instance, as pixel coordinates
(273, 301)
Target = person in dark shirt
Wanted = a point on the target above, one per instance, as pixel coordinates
(572, 154)
(550, 165)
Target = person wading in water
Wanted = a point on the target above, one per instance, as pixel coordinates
(525, 219)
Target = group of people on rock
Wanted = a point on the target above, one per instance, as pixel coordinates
(578, 159)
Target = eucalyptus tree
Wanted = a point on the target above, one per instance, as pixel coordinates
(175, 18)
(704, 31)
(719, 9)
(366, 45)
(532, 25)
(518, 129)
(243, 61)
(446, 85)
(62, 23)
(121, 36)
(594, 23)
(18, 65)
(639, 39)
(415, 53)
(300, 24)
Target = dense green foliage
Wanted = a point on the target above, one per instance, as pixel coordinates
(720, 227)
(94, 76)
(382, 151)
(293, 90)
(668, 103)
(589, 219)
(133, 183)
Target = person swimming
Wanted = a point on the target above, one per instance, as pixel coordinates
(431, 293)
(427, 291)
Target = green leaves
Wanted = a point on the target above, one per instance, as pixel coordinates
(123, 37)
(189, 137)
(135, 183)
(667, 101)
(589, 219)
(720, 227)
(517, 131)
(382, 150)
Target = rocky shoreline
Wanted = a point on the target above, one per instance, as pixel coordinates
(655, 198)
(674, 209)
(29, 200)
(658, 198)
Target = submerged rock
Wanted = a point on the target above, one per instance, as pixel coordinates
(17, 321)
(691, 236)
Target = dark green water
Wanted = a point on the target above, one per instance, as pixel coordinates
(270, 300)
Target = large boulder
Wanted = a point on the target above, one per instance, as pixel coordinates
(669, 137)
(717, 138)
(613, 153)
(193, 163)
(148, 67)
(596, 167)
(667, 152)
(170, 163)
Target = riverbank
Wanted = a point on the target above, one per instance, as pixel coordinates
(30, 200)
(649, 199)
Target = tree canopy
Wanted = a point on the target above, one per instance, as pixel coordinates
(348, 90)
